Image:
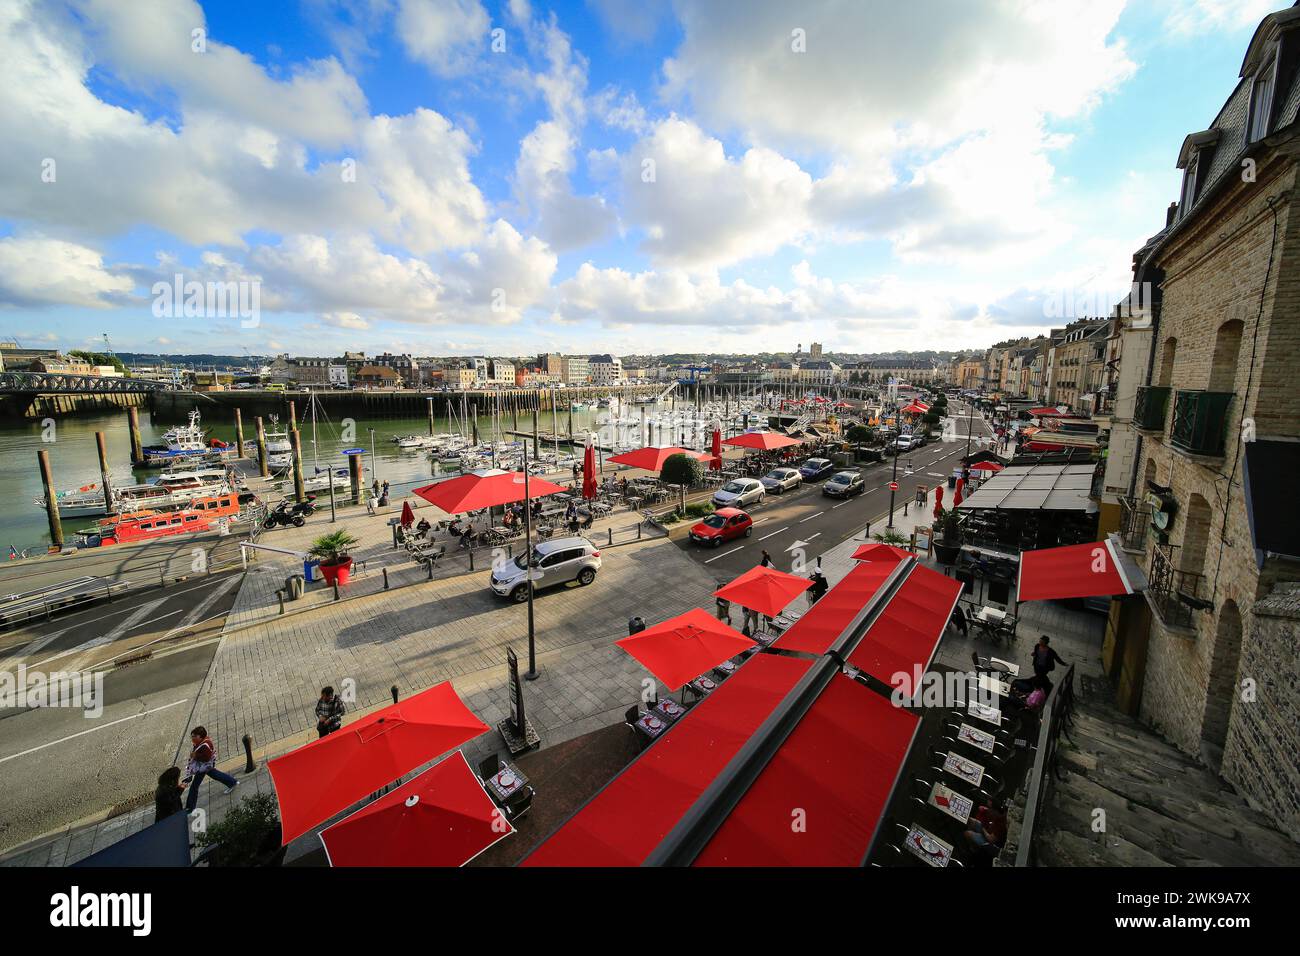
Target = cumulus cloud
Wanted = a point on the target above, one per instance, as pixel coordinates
(36, 271)
(445, 35)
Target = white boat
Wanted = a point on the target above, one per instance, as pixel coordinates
(168, 490)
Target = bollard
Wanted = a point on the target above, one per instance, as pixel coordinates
(336, 592)
(393, 690)
(280, 595)
(249, 766)
(385, 579)
(638, 529)
(471, 559)
(430, 571)
(611, 537)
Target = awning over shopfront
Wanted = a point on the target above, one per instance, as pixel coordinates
(825, 621)
(905, 634)
(1094, 569)
(1036, 488)
(1047, 412)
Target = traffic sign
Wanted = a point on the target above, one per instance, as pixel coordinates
(354, 451)
(893, 486)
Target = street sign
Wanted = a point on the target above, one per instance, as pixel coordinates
(516, 693)
(893, 486)
(354, 451)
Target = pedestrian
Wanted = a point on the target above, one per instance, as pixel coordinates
(203, 763)
(329, 712)
(384, 489)
(724, 610)
(751, 622)
(374, 489)
(167, 798)
(818, 587)
(577, 469)
(1045, 657)
(958, 620)
(766, 560)
(986, 831)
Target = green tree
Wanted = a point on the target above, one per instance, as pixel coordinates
(682, 470)
(859, 435)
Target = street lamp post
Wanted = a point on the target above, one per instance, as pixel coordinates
(528, 572)
(893, 482)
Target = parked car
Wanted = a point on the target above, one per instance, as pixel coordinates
(918, 440)
(844, 484)
(814, 469)
(903, 443)
(555, 561)
(725, 524)
(739, 493)
(781, 479)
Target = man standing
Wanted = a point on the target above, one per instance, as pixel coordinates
(751, 622)
(1045, 657)
(766, 560)
(724, 610)
(329, 712)
(818, 587)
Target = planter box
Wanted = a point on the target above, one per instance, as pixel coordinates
(338, 574)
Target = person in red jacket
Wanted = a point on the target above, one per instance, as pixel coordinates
(987, 830)
(203, 763)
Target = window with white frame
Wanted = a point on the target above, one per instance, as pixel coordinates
(1261, 100)
(1189, 185)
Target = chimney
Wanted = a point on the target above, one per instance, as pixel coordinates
(1171, 214)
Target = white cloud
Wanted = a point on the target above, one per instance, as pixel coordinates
(37, 271)
(1188, 17)
(447, 36)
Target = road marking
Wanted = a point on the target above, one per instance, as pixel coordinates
(190, 619)
(724, 554)
(810, 517)
(840, 505)
(774, 533)
(817, 535)
(82, 733)
(131, 621)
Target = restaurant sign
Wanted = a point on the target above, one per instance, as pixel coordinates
(516, 693)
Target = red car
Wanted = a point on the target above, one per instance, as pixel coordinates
(725, 524)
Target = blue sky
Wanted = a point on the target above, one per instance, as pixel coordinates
(589, 175)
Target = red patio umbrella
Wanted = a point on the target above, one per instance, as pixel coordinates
(879, 552)
(763, 441)
(765, 590)
(684, 647)
(484, 489)
(589, 470)
(914, 409)
(715, 463)
(443, 817)
(938, 500)
(986, 466)
(956, 494)
(408, 516)
(328, 775)
(652, 458)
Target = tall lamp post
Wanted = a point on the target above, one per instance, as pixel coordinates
(528, 568)
(893, 481)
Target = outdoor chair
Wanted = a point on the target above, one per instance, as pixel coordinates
(489, 766)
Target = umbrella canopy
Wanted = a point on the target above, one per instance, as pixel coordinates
(986, 466)
(589, 470)
(938, 500)
(879, 552)
(165, 843)
(715, 462)
(443, 817)
(915, 409)
(684, 647)
(765, 590)
(408, 516)
(486, 488)
(763, 441)
(956, 492)
(328, 775)
(652, 457)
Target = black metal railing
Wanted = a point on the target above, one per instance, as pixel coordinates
(1056, 718)
(1200, 421)
(1135, 521)
(1171, 589)
(1151, 407)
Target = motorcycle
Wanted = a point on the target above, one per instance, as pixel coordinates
(288, 513)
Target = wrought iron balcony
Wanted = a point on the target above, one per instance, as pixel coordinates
(1135, 522)
(1150, 408)
(1200, 423)
(1174, 594)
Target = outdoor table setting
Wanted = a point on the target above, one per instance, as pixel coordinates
(703, 686)
(965, 770)
(927, 847)
(979, 739)
(651, 724)
(725, 670)
(507, 783)
(668, 710)
(949, 801)
(764, 637)
(990, 715)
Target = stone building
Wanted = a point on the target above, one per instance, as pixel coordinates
(1209, 657)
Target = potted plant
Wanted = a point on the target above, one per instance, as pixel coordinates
(248, 835)
(891, 537)
(947, 544)
(335, 562)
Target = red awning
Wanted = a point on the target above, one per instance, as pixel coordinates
(1074, 571)
(684, 647)
(484, 489)
(443, 817)
(881, 552)
(914, 409)
(765, 590)
(986, 466)
(1046, 413)
(837, 768)
(907, 632)
(652, 458)
(328, 775)
(763, 441)
(826, 620)
(625, 821)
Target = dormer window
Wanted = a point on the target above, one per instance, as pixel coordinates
(1189, 185)
(1261, 100)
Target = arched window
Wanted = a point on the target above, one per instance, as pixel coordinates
(1166, 376)
(1227, 347)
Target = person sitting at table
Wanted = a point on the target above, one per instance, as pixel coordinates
(1020, 701)
(537, 508)
(455, 529)
(422, 526)
(508, 519)
(986, 832)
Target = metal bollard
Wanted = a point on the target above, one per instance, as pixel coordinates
(611, 536)
(249, 766)
(280, 595)
(431, 570)
(393, 690)
(336, 592)
(385, 579)
(471, 559)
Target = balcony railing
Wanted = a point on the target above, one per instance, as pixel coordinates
(1172, 592)
(1200, 421)
(1150, 408)
(1135, 521)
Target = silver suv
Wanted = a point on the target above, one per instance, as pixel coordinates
(556, 561)
(739, 493)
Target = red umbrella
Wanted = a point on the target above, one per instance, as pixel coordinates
(652, 458)
(938, 500)
(408, 516)
(716, 462)
(915, 409)
(763, 441)
(681, 649)
(328, 775)
(956, 494)
(484, 489)
(986, 466)
(443, 817)
(879, 552)
(589, 470)
(765, 590)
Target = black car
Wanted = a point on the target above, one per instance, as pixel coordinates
(844, 484)
(814, 469)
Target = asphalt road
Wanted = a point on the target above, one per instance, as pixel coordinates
(808, 520)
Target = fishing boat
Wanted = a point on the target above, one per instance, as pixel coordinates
(201, 514)
(170, 489)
